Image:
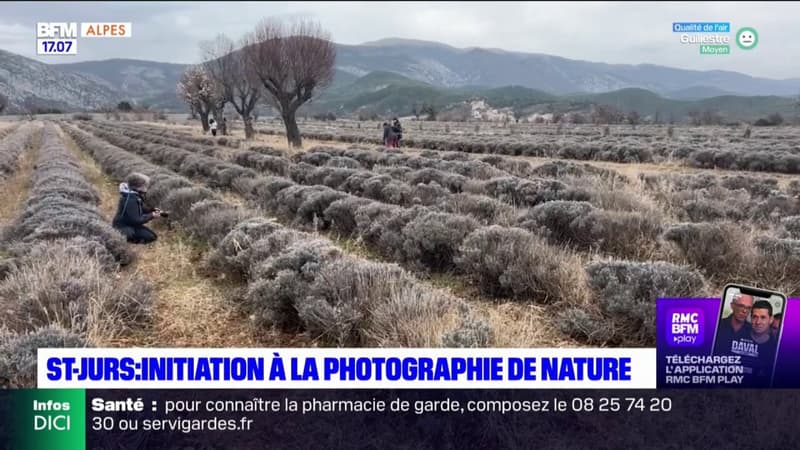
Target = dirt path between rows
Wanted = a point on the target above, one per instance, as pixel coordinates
(192, 307)
(15, 188)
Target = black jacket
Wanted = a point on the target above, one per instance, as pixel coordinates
(131, 211)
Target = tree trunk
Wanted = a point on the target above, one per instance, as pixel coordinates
(292, 131)
(204, 120)
(249, 131)
(219, 117)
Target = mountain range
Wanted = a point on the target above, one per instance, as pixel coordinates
(443, 65)
(393, 75)
(387, 93)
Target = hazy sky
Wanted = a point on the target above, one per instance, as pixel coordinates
(603, 32)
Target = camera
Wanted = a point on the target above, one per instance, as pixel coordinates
(164, 214)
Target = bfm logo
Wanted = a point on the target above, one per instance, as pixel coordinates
(69, 30)
(49, 422)
(61, 30)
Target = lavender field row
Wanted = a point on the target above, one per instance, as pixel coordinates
(502, 261)
(299, 281)
(13, 145)
(779, 154)
(60, 284)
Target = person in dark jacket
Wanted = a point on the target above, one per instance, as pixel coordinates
(387, 133)
(131, 212)
(397, 129)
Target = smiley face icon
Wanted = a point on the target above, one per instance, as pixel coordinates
(746, 38)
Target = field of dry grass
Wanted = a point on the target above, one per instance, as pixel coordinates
(344, 243)
(632, 170)
(667, 202)
(191, 308)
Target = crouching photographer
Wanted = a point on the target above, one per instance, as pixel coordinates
(131, 212)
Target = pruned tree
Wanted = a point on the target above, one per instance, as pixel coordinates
(200, 92)
(607, 114)
(3, 102)
(227, 66)
(634, 118)
(707, 117)
(695, 117)
(31, 107)
(797, 107)
(292, 63)
(125, 106)
(429, 110)
(218, 67)
(771, 120)
(710, 117)
(517, 113)
(775, 118)
(578, 118)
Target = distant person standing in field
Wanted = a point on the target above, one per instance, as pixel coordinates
(387, 133)
(397, 129)
(213, 124)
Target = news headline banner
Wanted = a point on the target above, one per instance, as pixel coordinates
(695, 349)
(362, 368)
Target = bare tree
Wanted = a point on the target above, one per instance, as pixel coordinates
(227, 67)
(31, 107)
(797, 108)
(710, 117)
(605, 114)
(218, 68)
(292, 63)
(3, 102)
(517, 113)
(695, 117)
(429, 110)
(200, 92)
(578, 118)
(634, 118)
